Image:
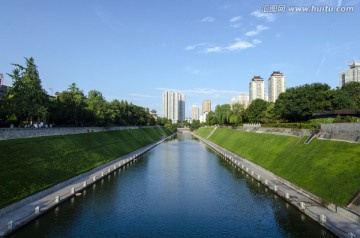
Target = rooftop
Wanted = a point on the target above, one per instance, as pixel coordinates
(354, 65)
(277, 73)
(257, 78)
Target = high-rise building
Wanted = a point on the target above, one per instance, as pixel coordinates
(206, 106)
(173, 104)
(242, 99)
(256, 89)
(1, 78)
(276, 85)
(195, 112)
(350, 75)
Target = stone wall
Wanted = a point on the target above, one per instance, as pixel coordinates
(341, 131)
(15, 133)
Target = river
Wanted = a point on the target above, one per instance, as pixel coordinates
(178, 189)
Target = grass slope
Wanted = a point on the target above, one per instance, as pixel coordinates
(329, 169)
(30, 165)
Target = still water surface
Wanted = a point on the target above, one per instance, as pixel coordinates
(178, 189)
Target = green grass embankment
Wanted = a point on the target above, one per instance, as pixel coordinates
(30, 165)
(328, 169)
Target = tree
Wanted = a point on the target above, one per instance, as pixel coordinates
(347, 97)
(97, 105)
(256, 110)
(223, 113)
(298, 103)
(195, 124)
(69, 107)
(27, 99)
(269, 115)
(237, 113)
(211, 118)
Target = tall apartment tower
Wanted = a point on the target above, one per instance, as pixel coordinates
(195, 112)
(242, 99)
(173, 104)
(206, 106)
(350, 75)
(257, 89)
(276, 85)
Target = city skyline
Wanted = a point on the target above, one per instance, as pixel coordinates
(134, 50)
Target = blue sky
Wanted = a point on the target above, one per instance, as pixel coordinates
(207, 49)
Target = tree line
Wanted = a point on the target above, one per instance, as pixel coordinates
(27, 102)
(297, 104)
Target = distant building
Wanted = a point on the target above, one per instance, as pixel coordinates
(195, 112)
(206, 106)
(153, 113)
(173, 105)
(350, 75)
(203, 117)
(3, 90)
(242, 99)
(257, 89)
(276, 85)
(1, 78)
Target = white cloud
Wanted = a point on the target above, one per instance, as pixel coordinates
(213, 49)
(235, 21)
(208, 19)
(190, 47)
(239, 45)
(256, 41)
(268, 16)
(258, 29)
(194, 46)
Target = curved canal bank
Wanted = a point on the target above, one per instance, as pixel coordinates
(341, 222)
(20, 213)
(181, 188)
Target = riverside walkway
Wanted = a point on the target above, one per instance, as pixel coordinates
(20, 213)
(338, 220)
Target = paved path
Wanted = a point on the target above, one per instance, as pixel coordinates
(22, 212)
(338, 220)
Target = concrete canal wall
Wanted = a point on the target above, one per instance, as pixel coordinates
(338, 220)
(341, 131)
(16, 133)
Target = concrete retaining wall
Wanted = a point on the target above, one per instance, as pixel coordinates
(16, 133)
(341, 131)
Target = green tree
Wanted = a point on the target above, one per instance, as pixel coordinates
(256, 111)
(347, 97)
(269, 115)
(69, 107)
(195, 124)
(211, 118)
(237, 114)
(298, 103)
(27, 99)
(97, 105)
(223, 113)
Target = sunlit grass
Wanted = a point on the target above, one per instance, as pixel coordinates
(30, 165)
(329, 169)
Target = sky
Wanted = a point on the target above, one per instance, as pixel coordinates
(206, 49)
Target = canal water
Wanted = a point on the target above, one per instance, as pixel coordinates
(178, 189)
